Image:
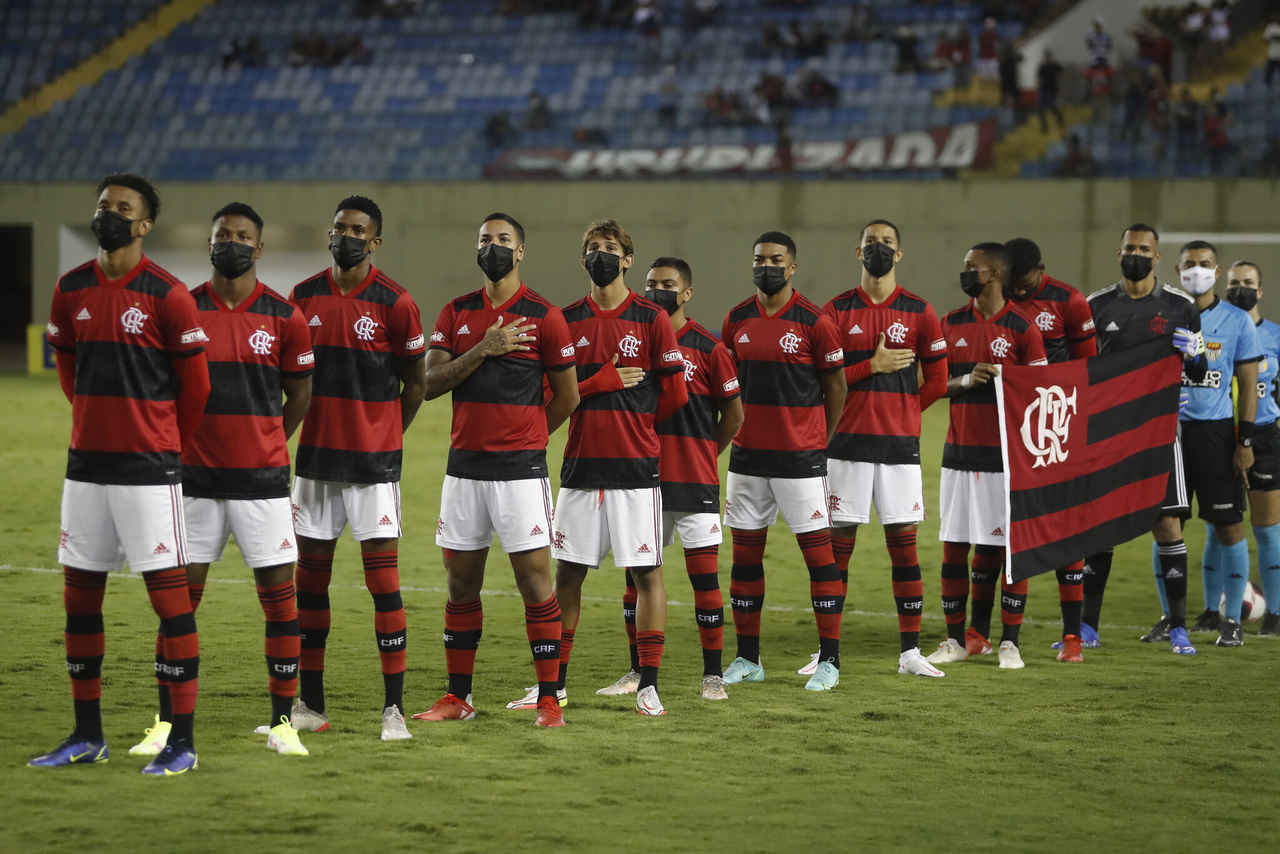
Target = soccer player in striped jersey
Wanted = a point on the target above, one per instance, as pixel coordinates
(874, 456)
(982, 335)
(1062, 315)
(691, 440)
(131, 361)
(493, 348)
(1244, 290)
(235, 469)
(790, 366)
(369, 380)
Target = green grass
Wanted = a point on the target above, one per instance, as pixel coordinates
(1136, 749)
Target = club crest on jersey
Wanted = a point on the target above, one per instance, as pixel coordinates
(132, 320)
(790, 342)
(365, 327)
(1159, 325)
(1046, 424)
(629, 346)
(689, 368)
(1000, 347)
(897, 332)
(260, 342)
(1213, 350)
(1045, 320)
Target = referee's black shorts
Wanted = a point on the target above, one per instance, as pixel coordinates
(1207, 450)
(1265, 474)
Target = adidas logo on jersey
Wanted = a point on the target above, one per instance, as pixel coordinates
(314, 321)
(743, 339)
(855, 329)
(537, 529)
(464, 329)
(385, 520)
(962, 343)
(1111, 327)
(161, 549)
(83, 315)
(644, 549)
(583, 342)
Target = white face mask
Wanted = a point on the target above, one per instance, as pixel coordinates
(1199, 280)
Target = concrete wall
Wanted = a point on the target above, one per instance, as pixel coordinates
(430, 229)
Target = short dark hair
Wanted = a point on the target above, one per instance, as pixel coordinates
(1244, 263)
(897, 235)
(779, 237)
(1142, 226)
(1024, 256)
(998, 255)
(139, 185)
(239, 209)
(366, 206)
(498, 216)
(608, 229)
(680, 265)
(1199, 244)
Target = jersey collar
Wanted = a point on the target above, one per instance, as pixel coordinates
(520, 291)
(786, 306)
(866, 297)
(337, 291)
(241, 306)
(124, 280)
(613, 312)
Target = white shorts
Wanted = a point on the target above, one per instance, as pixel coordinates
(106, 524)
(697, 530)
(589, 523)
(472, 511)
(263, 528)
(972, 504)
(896, 490)
(753, 502)
(322, 508)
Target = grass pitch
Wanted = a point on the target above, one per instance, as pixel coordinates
(1134, 750)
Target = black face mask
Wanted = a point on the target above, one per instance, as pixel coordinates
(496, 261)
(114, 231)
(877, 259)
(348, 251)
(668, 300)
(1242, 298)
(602, 267)
(769, 280)
(970, 284)
(1135, 268)
(231, 259)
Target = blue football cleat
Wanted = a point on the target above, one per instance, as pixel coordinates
(1089, 637)
(74, 751)
(172, 761)
(1179, 642)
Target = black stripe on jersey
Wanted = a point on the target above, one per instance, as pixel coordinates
(473, 301)
(903, 302)
(641, 311)
(959, 369)
(1057, 350)
(769, 463)
(79, 278)
(873, 448)
(312, 287)
(122, 467)
(348, 466)
(743, 311)
(147, 282)
(903, 381)
(244, 388)
(204, 302)
(696, 339)
(235, 483)
(271, 305)
(980, 394)
(609, 472)
(111, 369)
(696, 419)
(802, 312)
(576, 312)
(497, 465)
(642, 397)
(507, 380)
(379, 292)
(690, 497)
(355, 374)
(526, 307)
(972, 457)
(778, 384)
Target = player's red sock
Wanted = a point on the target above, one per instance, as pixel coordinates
(382, 577)
(824, 591)
(312, 578)
(542, 624)
(1013, 601)
(463, 625)
(955, 587)
(843, 541)
(987, 561)
(1071, 597)
(282, 646)
(708, 604)
(566, 649)
(908, 584)
(196, 592)
(629, 598)
(650, 645)
(746, 590)
(82, 594)
(171, 600)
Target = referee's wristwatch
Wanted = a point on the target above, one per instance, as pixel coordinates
(1244, 434)
(1246, 442)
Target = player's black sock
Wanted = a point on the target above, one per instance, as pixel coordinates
(749, 647)
(393, 690)
(648, 676)
(983, 585)
(183, 731)
(629, 598)
(829, 650)
(1013, 602)
(1173, 568)
(1097, 569)
(311, 689)
(712, 663)
(89, 719)
(281, 706)
(1070, 597)
(166, 702)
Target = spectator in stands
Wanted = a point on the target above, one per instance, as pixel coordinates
(815, 88)
(700, 13)
(813, 42)
(244, 53)
(590, 136)
(648, 18)
(499, 131)
(1154, 47)
(988, 64)
(907, 42)
(1098, 43)
(1047, 90)
(668, 96)
(725, 108)
(539, 115)
(1098, 77)
(1193, 31)
(1219, 27)
(1272, 35)
(953, 52)
(1216, 121)
(859, 24)
(1078, 162)
(1135, 102)
(1158, 107)
(782, 147)
(1186, 124)
(1010, 93)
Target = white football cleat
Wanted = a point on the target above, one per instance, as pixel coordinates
(153, 740)
(648, 704)
(1010, 656)
(306, 719)
(914, 663)
(948, 651)
(529, 702)
(283, 739)
(713, 688)
(808, 669)
(628, 683)
(393, 725)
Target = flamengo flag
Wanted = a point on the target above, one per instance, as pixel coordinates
(1088, 446)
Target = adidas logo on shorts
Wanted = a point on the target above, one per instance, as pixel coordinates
(537, 529)
(385, 520)
(998, 532)
(644, 549)
(915, 506)
(161, 549)
(817, 514)
(715, 528)
(285, 545)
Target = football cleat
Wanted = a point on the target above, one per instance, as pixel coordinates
(914, 663)
(1089, 637)
(713, 688)
(283, 739)
(1159, 632)
(1207, 621)
(175, 759)
(549, 713)
(1230, 633)
(153, 740)
(530, 699)
(949, 650)
(1069, 650)
(306, 719)
(628, 683)
(1010, 656)
(647, 703)
(808, 669)
(826, 677)
(743, 670)
(976, 642)
(73, 751)
(1270, 625)
(1179, 643)
(393, 725)
(448, 708)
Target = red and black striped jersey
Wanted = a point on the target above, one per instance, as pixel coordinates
(779, 358)
(881, 418)
(125, 334)
(239, 449)
(690, 476)
(352, 432)
(499, 423)
(1008, 338)
(612, 443)
(1062, 315)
